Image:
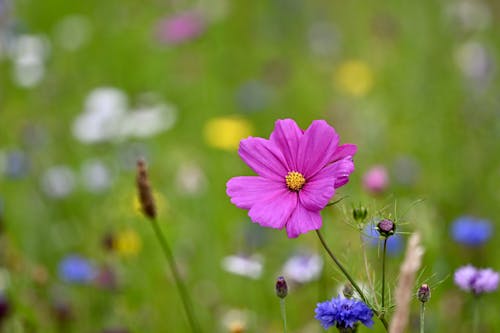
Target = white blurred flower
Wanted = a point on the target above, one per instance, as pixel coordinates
(28, 55)
(107, 117)
(104, 108)
(58, 181)
(190, 179)
(96, 176)
(474, 61)
(470, 15)
(303, 268)
(73, 32)
(148, 121)
(235, 320)
(249, 266)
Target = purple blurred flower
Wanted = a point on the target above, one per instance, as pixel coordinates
(181, 27)
(303, 268)
(75, 269)
(478, 281)
(298, 172)
(376, 179)
(343, 313)
(471, 231)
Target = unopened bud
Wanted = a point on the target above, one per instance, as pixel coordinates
(348, 290)
(5, 307)
(281, 287)
(360, 213)
(386, 228)
(424, 293)
(145, 194)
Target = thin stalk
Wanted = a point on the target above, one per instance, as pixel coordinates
(348, 276)
(186, 300)
(475, 327)
(283, 313)
(422, 317)
(384, 254)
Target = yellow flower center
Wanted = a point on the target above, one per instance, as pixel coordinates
(295, 181)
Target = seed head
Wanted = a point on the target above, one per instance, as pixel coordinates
(144, 188)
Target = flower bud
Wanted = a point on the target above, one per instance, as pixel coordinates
(281, 287)
(360, 213)
(348, 290)
(5, 307)
(424, 293)
(386, 228)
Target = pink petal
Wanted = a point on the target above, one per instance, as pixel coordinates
(316, 148)
(286, 136)
(245, 191)
(274, 209)
(319, 190)
(343, 151)
(263, 157)
(342, 170)
(302, 221)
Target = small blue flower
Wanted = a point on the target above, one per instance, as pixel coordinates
(372, 237)
(471, 231)
(75, 269)
(343, 312)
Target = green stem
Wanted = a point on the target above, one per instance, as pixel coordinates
(422, 317)
(475, 328)
(383, 274)
(348, 276)
(186, 300)
(283, 313)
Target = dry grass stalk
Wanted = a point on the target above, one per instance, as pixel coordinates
(404, 290)
(145, 193)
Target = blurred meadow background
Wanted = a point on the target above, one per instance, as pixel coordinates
(88, 87)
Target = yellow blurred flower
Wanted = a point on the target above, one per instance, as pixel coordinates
(226, 133)
(127, 243)
(354, 77)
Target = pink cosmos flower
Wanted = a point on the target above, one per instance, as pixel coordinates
(298, 172)
(180, 28)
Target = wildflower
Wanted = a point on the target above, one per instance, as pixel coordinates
(226, 133)
(75, 269)
(376, 180)
(303, 268)
(371, 237)
(298, 172)
(181, 28)
(343, 313)
(424, 293)
(479, 281)
(471, 231)
(281, 287)
(355, 78)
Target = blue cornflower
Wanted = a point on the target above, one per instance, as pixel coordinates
(372, 237)
(75, 269)
(471, 231)
(343, 312)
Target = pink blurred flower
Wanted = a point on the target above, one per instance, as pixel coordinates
(479, 281)
(298, 172)
(376, 179)
(181, 27)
